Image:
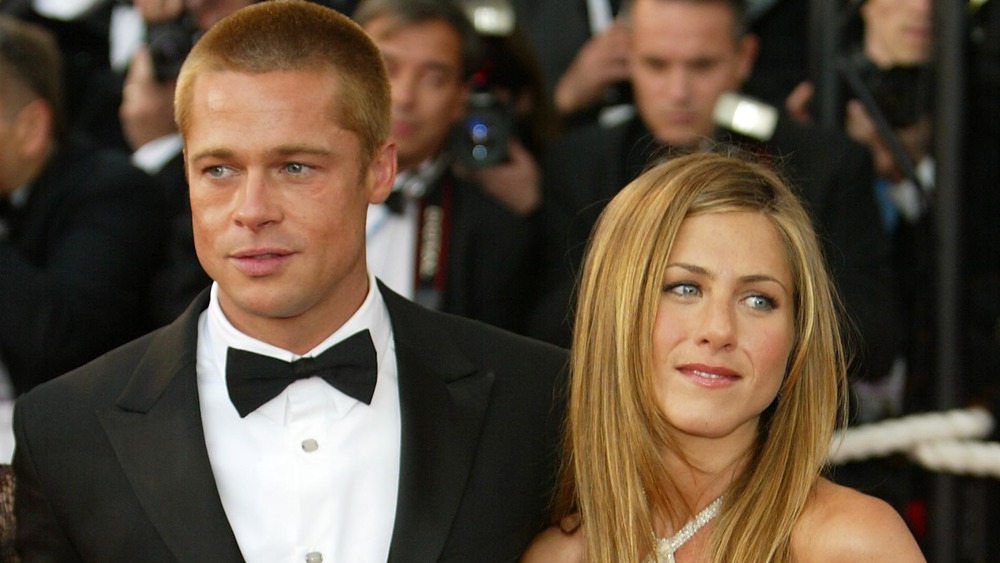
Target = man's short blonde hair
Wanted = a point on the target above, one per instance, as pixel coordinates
(287, 35)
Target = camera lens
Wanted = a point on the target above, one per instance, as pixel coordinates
(484, 132)
(479, 134)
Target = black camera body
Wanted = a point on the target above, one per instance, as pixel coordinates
(902, 93)
(483, 135)
(169, 44)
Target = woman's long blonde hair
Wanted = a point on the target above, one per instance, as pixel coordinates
(613, 473)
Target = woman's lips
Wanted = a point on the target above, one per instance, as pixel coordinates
(709, 376)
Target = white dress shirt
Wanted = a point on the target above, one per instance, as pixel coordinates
(391, 238)
(391, 245)
(313, 474)
(154, 155)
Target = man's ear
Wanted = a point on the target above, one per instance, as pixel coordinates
(461, 106)
(33, 128)
(747, 53)
(381, 172)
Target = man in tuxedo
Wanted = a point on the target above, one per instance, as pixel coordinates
(298, 410)
(684, 54)
(78, 225)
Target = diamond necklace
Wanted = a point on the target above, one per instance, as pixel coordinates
(665, 547)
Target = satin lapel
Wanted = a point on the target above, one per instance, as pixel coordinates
(443, 400)
(155, 429)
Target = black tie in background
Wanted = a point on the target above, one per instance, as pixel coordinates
(350, 366)
(6, 217)
(396, 202)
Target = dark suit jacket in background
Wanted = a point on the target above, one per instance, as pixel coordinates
(112, 465)
(179, 277)
(494, 259)
(74, 273)
(833, 175)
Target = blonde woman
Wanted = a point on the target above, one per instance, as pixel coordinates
(707, 373)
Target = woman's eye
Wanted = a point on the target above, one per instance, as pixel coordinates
(760, 302)
(683, 289)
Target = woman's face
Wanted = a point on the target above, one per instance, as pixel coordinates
(724, 326)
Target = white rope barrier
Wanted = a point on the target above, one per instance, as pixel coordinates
(938, 441)
(979, 459)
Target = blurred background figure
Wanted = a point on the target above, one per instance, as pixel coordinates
(886, 86)
(460, 232)
(81, 228)
(582, 48)
(92, 69)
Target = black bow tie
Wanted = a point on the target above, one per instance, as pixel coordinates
(6, 217)
(350, 366)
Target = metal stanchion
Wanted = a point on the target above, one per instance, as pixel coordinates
(948, 18)
(824, 39)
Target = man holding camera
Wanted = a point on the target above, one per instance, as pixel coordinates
(147, 117)
(457, 240)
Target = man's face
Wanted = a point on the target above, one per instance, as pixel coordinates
(18, 143)
(8, 152)
(278, 202)
(683, 56)
(424, 61)
(897, 32)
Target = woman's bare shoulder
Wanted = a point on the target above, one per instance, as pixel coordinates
(841, 524)
(562, 543)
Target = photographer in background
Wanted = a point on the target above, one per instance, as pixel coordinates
(147, 117)
(886, 85)
(461, 239)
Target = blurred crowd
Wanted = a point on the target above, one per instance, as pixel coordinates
(515, 122)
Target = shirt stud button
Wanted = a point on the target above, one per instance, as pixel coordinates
(314, 557)
(309, 445)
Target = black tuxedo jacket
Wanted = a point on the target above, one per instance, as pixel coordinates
(75, 271)
(832, 174)
(111, 461)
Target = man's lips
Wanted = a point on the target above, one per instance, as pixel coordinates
(403, 128)
(262, 261)
(709, 376)
(679, 117)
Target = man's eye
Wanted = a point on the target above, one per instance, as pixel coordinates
(216, 171)
(296, 167)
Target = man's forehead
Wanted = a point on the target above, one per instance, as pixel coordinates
(442, 45)
(683, 14)
(684, 27)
